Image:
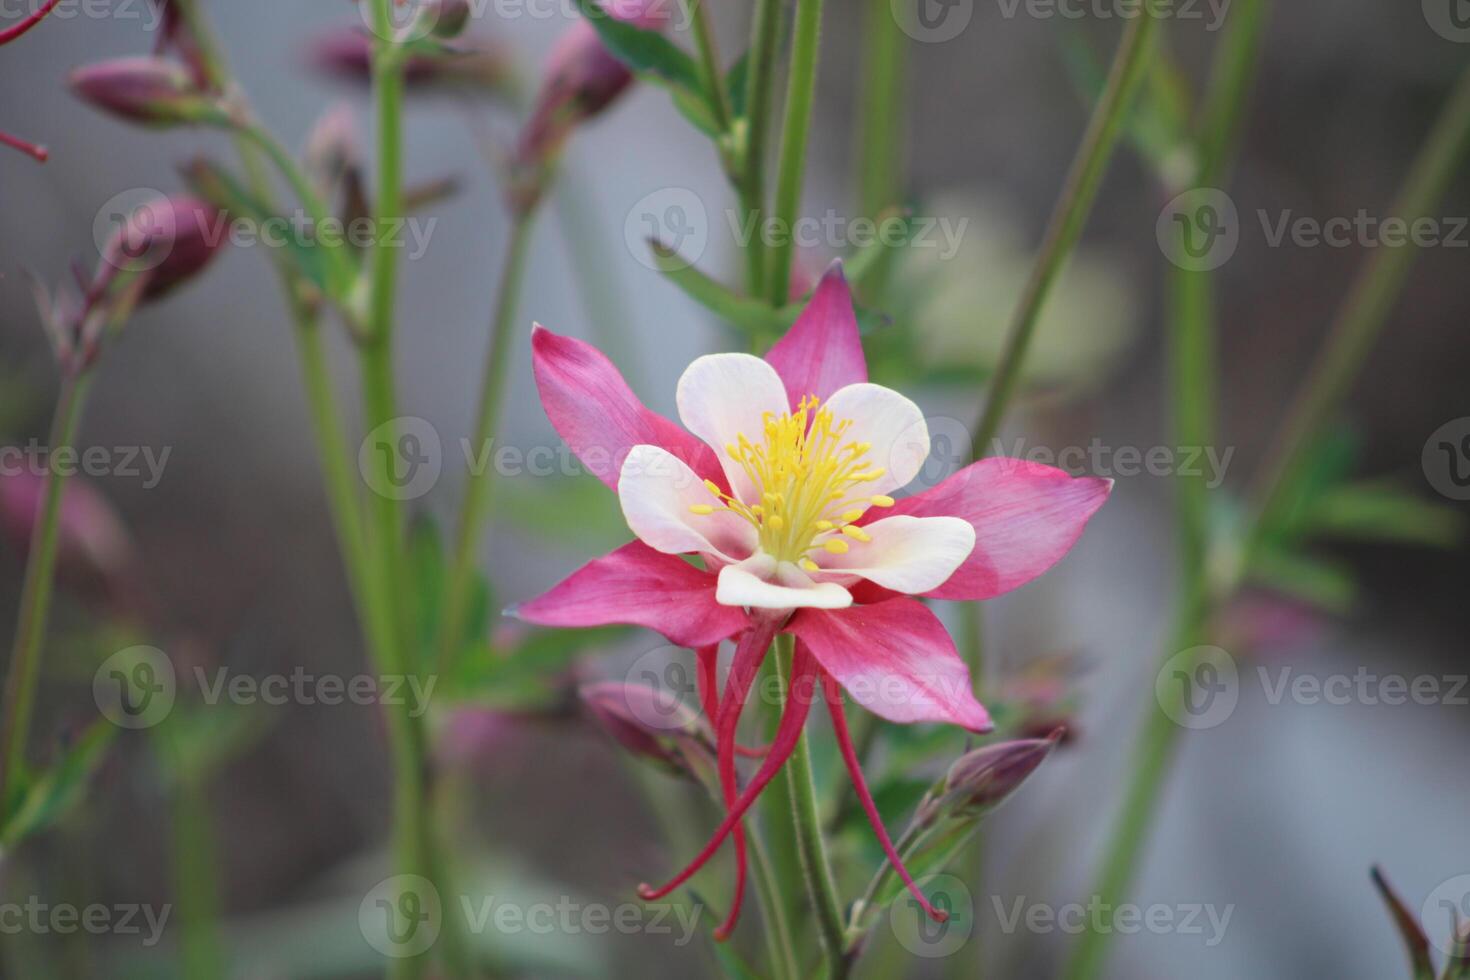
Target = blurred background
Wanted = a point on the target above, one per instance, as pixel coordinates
(1278, 812)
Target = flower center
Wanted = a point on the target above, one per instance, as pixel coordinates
(807, 474)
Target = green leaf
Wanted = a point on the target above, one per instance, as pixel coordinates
(646, 52)
(527, 677)
(50, 794)
(195, 742)
(1407, 922)
(735, 82)
(748, 315)
(1317, 582)
(1381, 510)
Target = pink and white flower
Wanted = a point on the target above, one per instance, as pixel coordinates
(782, 483)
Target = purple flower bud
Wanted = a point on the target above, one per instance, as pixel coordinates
(332, 147)
(94, 551)
(165, 242)
(450, 17)
(151, 91)
(471, 66)
(982, 779)
(652, 724)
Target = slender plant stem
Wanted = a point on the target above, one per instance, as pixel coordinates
(807, 822)
(1070, 215)
(800, 95)
(35, 599)
(196, 890)
(1366, 307)
(881, 124)
(709, 63)
(492, 397)
(780, 947)
(759, 80)
(20, 27)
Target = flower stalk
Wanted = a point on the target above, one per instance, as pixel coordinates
(800, 95)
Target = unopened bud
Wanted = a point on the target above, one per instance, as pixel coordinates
(980, 780)
(450, 17)
(473, 67)
(165, 242)
(151, 91)
(652, 724)
(332, 147)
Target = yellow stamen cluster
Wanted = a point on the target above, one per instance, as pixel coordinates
(806, 474)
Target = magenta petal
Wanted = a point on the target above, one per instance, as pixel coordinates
(595, 411)
(1026, 517)
(896, 659)
(638, 586)
(822, 351)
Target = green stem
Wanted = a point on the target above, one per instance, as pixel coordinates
(807, 822)
(35, 599)
(709, 63)
(492, 397)
(881, 123)
(759, 80)
(1068, 218)
(800, 95)
(1365, 309)
(195, 887)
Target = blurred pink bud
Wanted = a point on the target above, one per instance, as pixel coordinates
(1267, 622)
(475, 66)
(94, 551)
(581, 79)
(450, 17)
(165, 242)
(472, 735)
(151, 91)
(332, 147)
(652, 724)
(980, 780)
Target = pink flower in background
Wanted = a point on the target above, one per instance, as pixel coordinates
(94, 550)
(782, 486)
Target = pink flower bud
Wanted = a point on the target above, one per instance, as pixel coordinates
(168, 240)
(651, 724)
(94, 551)
(982, 779)
(471, 66)
(151, 91)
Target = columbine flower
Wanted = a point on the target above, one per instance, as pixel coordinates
(783, 486)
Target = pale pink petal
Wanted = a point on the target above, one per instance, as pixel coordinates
(760, 583)
(722, 397)
(638, 586)
(656, 492)
(822, 351)
(895, 659)
(1026, 517)
(906, 554)
(592, 408)
(892, 425)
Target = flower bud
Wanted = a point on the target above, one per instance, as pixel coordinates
(582, 78)
(980, 780)
(94, 550)
(450, 17)
(332, 147)
(151, 91)
(471, 66)
(652, 724)
(165, 242)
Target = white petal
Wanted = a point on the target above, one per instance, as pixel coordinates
(760, 583)
(906, 554)
(656, 489)
(724, 396)
(892, 424)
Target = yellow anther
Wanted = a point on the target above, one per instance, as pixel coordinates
(776, 522)
(701, 509)
(851, 515)
(856, 533)
(809, 566)
(881, 500)
(713, 488)
(837, 546)
(823, 525)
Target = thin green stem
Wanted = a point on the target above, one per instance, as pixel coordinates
(882, 118)
(195, 885)
(1366, 307)
(807, 822)
(35, 599)
(492, 397)
(1068, 218)
(709, 63)
(759, 80)
(800, 96)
